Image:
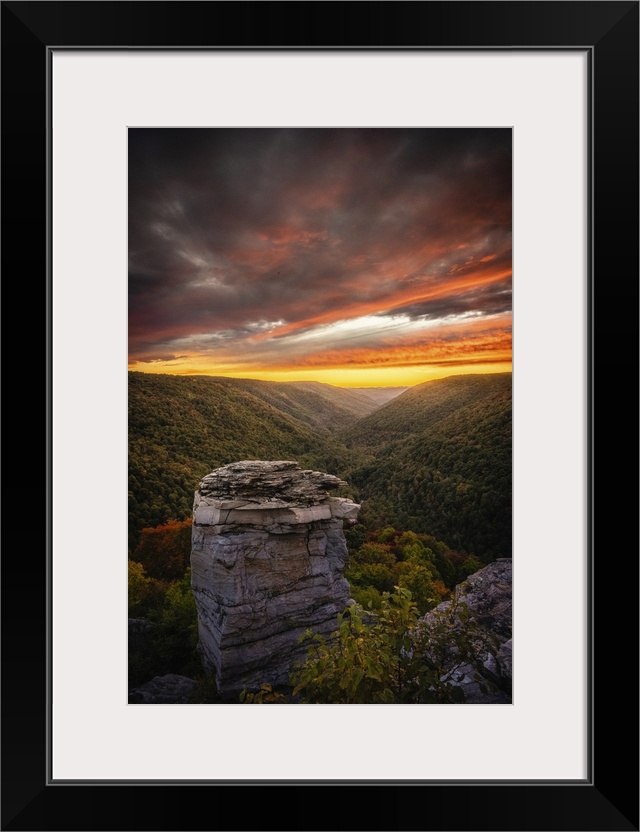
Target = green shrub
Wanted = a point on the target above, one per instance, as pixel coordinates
(396, 658)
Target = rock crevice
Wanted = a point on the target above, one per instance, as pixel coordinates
(267, 562)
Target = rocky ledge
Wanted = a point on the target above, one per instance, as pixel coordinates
(267, 562)
(488, 596)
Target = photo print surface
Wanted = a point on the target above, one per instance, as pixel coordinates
(320, 431)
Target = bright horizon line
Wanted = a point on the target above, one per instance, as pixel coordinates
(403, 380)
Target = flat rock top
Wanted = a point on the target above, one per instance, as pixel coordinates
(260, 481)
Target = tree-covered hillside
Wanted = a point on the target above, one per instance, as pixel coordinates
(342, 398)
(439, 462)
(436, 459)
(322, 406)
(181, 428)
(423, 406)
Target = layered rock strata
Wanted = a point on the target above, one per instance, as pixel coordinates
(267, 562)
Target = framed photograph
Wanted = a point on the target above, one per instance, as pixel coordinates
(562, 79)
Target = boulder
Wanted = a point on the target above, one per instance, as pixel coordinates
(164, 690)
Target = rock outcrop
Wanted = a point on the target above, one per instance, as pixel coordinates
(164, 690)
(267, 562)
(488, 596)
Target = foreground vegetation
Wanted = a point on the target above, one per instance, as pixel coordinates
(395, 576)
(390, 657)
(381, 560)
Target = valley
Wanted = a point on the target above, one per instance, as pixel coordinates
(430, 469)
(435, 459)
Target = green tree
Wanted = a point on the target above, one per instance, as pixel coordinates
(355, 537)
(170, 646)
(393, 656)
(387, 534)
(145, 594)
(178, 628)
(418, 579)
(367, 597)
(372, 565)
(469, 565)
(446, 569)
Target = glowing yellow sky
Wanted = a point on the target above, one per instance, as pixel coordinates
(339, 377)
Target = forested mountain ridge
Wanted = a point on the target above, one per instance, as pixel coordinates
(182, 427)
(439, 461)
(322, 406)
(423, 406)
(356, 403)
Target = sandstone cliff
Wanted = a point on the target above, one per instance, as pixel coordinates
(267, 560)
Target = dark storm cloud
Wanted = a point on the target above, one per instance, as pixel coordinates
(151, 358)
(233, 231)
(491, 299)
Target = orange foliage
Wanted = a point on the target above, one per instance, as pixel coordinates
(442, 591)
(165, 551)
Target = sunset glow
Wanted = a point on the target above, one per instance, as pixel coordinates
(355, 257)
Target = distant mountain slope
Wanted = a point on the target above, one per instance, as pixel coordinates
(342, 398)
(439, 461)
(181, 428)
(380, 395)
(320, 405)
(424, 405)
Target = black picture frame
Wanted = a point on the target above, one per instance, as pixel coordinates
(608, 799)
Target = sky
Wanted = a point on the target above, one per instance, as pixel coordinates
(356, 257)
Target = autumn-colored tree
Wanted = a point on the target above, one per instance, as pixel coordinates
(165, 551)
(442, 591)
(375, 553)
